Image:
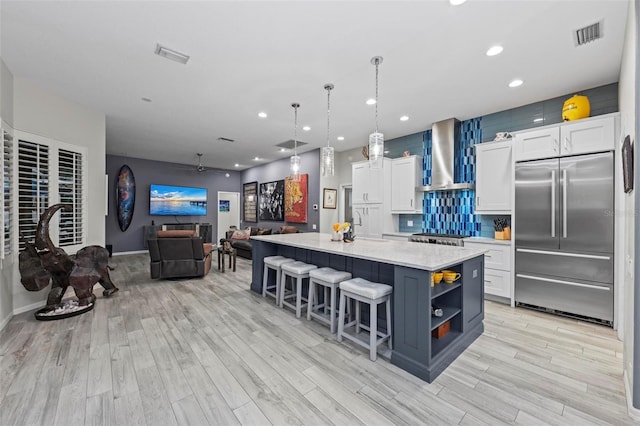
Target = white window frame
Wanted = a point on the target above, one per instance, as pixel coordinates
(54, 147)
(7, 247)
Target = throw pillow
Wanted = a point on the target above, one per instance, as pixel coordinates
(266, 231)
(288, 229)
(241, 234)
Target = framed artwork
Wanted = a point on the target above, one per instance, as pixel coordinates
(627, 164)
(329, 198)
(250, 201)
(224, 206)
(295, 199)
(271, 205)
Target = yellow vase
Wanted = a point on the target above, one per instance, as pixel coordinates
(575, 108)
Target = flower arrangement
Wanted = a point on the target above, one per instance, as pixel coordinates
(338, 229)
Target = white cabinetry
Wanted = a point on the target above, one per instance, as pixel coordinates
(493, 178)
(368, 220)
(497, 266)
(571, 138)
(368, 183)
(406, 175)
(371, 199)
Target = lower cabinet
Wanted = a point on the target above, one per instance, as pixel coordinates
(497, 267)
(425, 343)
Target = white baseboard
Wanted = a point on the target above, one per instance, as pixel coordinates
(124, 253)
(29, 307)
(633, 412)
(5, 321)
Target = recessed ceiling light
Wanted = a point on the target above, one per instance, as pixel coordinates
(262, 114)
(385, 152)
(494, 50)
(146, 99)
(340, 138)
(256, 159)
(306, 128)
(456, 2)
(283, 149)
(236, 165)
(537, 120)
(371, 101)
(404, 118)
(516, 83)
(227, 175)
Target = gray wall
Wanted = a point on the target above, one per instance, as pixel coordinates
(636, 305)
(309, 164)
(147, 172)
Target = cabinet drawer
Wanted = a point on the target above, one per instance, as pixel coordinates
(497, 257)
(497, 283)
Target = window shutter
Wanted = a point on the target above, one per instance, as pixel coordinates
(33, 187)
(6, 157)
(71, 192)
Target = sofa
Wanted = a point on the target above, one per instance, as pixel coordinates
(240, 240)
(179, 254)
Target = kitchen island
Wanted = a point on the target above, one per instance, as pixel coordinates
(408, 268)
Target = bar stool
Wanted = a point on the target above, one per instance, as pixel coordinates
(273, 262)
(299, 271)
(328, 279)
(363, 291)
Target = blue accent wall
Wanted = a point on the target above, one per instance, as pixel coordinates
(453, 212)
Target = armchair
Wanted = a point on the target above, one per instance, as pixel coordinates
(179, 255)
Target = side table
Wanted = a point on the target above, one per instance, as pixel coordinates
(232, 257)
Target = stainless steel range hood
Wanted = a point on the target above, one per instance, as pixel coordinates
(444, 134)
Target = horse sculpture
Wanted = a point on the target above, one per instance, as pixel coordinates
(41, 262)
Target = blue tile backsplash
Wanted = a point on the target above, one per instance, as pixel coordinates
(452, 212)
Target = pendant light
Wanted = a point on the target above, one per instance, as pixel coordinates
(327, 157)
(295, 159)
(376, 139)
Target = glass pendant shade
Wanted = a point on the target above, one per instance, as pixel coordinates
(376, 149)
(295, 168)
(327, 161)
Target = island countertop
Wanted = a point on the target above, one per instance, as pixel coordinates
(430, 257)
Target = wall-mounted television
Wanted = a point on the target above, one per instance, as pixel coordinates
(166, 200)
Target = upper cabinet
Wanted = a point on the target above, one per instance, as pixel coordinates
(406, 175)
(368, 184)
(493, 178)
(571, 138)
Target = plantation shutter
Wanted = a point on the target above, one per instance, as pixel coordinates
(6, 156)
(71, 192)
(33, 187)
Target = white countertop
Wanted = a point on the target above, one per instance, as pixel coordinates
(398, 234)
(431, 257)
(488, 241)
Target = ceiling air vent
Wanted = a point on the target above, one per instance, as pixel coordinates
(221, 139)
(588, 34)
(289, 144)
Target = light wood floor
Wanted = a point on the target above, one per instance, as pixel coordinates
(209, 351)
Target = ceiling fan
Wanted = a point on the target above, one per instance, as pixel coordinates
(200, 168)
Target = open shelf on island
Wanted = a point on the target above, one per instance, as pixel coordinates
(448, 313)
(437, 345)
(443, 288)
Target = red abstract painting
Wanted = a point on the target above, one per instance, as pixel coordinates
(295, 200)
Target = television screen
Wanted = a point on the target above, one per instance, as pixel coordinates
(168, 200)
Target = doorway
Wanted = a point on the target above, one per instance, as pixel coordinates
(228, 212)
(346, 212)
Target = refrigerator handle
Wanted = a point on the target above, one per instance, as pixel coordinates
(553, 203)
(564, 203)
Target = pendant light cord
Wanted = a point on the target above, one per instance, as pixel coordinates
(295, 130)
(377, 62)
(328, 87)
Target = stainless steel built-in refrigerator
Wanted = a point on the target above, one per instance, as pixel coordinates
(564, 213)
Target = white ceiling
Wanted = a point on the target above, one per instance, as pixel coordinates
(248, 57)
